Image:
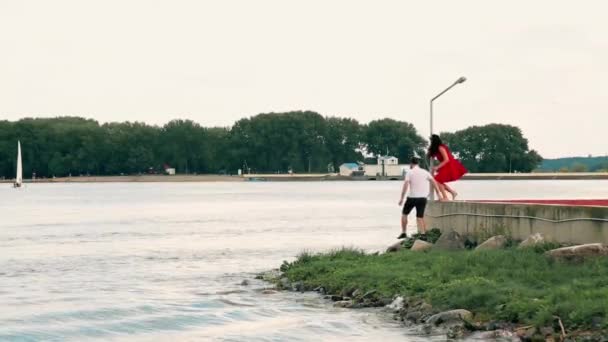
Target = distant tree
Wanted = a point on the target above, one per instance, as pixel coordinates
(493, 148)
(392, 137)
(280, 141)
(343, 140)
(579, 168)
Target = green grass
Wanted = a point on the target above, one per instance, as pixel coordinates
(519, 286)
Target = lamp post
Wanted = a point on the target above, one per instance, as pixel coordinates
(458, 81)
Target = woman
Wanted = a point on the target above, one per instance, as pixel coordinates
(448, 170)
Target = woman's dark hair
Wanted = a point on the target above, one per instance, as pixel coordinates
(435, 143)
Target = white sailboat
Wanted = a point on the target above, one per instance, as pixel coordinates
(19, 176)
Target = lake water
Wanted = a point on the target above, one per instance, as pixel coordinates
(159, 261)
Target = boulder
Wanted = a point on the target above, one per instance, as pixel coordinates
(268, 292)
(245, 282)
(344, 304)
(298, 286)
(396, 304)
(448, 317)
(426, 308)
(394, 247)
(369, 294)
(413, 316)
(420, 245)
(450, 241)
(269, 276)
(495, 242)
(579, 252)
(532, 240)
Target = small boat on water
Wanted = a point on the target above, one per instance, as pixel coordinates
(19, 177)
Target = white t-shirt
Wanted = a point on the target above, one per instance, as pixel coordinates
(419, 182)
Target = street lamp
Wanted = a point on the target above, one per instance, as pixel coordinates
(458, 81)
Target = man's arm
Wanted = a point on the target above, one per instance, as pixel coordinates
(435, 186)
(406, 184)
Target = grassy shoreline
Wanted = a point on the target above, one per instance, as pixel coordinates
(512, 287)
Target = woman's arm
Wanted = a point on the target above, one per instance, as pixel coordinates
(445, 158)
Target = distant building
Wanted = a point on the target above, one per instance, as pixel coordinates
(390, 168)
(393, 170)
(388, 160)
(387, 166)
(347, 169)
(168, 169)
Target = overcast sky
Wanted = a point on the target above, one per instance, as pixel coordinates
(541, 65)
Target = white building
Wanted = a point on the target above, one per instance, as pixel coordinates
(392, 170)
(388, 160)
(347, 169)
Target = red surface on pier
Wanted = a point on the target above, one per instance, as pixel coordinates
(575, 202)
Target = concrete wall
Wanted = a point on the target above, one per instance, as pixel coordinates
(564, 224)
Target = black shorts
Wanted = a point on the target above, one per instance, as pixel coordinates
(415, 202)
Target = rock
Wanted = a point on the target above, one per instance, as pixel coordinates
(396, 304)
(532, 240)
(413, 316)
(245, 282)
(344, 304)
(500, 334)
(384, 301)
(298, 286)
(426, 308)
(525, 333)
(546, 331)
(397, 246)
(284, 283)
(456, 332)
(426, 329)
(269, 276)
(579, 252)
(320, 289)
(268, 292)
(369, 294)
(450, 241)
(336, 298)
(420, 245)
(495, 242)
(452, 316)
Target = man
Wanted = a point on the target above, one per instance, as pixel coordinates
(417, 181)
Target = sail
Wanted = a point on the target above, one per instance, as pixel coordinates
(19, 177)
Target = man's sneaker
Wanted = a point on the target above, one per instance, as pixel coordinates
(402, 236)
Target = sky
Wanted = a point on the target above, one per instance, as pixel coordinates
(541, 65)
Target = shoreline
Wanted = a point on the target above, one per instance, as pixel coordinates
(534, 295)
(300, 178)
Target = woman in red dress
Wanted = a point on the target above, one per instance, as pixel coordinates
(448, 170)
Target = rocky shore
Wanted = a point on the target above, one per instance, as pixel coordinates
(448, 287)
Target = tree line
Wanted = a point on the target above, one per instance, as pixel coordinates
(301, 141)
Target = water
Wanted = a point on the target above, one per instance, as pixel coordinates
(165, 261)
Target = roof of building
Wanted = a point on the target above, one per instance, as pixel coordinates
(350, 165)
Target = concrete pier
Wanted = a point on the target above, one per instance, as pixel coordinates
(570, 224)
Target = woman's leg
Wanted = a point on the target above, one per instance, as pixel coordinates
(451, 191)
(444, 195)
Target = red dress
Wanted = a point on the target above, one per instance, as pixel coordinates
(451, 171)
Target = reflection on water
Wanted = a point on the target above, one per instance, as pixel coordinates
(159, 261)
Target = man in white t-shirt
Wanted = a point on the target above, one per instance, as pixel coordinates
(418, 181)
